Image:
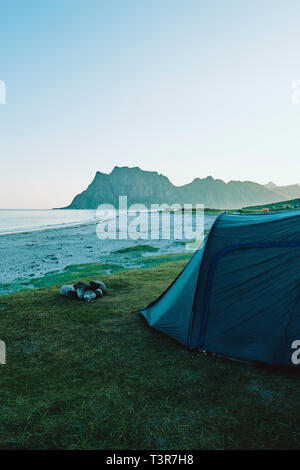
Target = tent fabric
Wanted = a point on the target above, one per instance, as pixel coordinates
(239, 295)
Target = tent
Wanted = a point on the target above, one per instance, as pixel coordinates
(239, 295)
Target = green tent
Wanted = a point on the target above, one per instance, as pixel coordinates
(239, 293)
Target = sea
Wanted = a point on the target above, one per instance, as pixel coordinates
(28, 220)
(13, 221)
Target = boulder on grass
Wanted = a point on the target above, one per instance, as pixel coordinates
(89, 295)
(68, 291)
(99, 293)
(81, 288)
(94, 285)
(82, 291)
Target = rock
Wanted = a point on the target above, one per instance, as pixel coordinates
(82, 291)
(72, 295)
(89, 295)
(98, 285)
(81, 288)
(68, 291)
(99, 293)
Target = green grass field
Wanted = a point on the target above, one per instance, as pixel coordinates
(137, 248)
(95, 376)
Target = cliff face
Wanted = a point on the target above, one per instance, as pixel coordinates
(149, 187)
(139, 186)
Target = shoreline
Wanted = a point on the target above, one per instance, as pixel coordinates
(45, 229)
(30, 257)
(51, 227)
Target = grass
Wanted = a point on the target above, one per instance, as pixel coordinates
(275, 206)
(95, 376)
(137, 249)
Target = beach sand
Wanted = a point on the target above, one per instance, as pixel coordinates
(32, 255)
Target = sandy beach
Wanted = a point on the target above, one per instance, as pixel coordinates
(31, 255)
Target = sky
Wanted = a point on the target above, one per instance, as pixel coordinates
(188, 88)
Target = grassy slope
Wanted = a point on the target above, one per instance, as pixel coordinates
(81, 376)
(275, 206)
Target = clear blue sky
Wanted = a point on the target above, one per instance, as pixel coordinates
(184, 87)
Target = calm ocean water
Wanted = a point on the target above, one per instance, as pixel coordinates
(20, 221)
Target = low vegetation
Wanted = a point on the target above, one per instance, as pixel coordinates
(275, 207)
(95, 376)
(137, 249)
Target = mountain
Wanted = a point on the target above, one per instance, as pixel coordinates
(149, 187)
(220, 195)
(291, 191)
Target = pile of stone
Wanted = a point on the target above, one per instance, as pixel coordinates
(82, 291)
